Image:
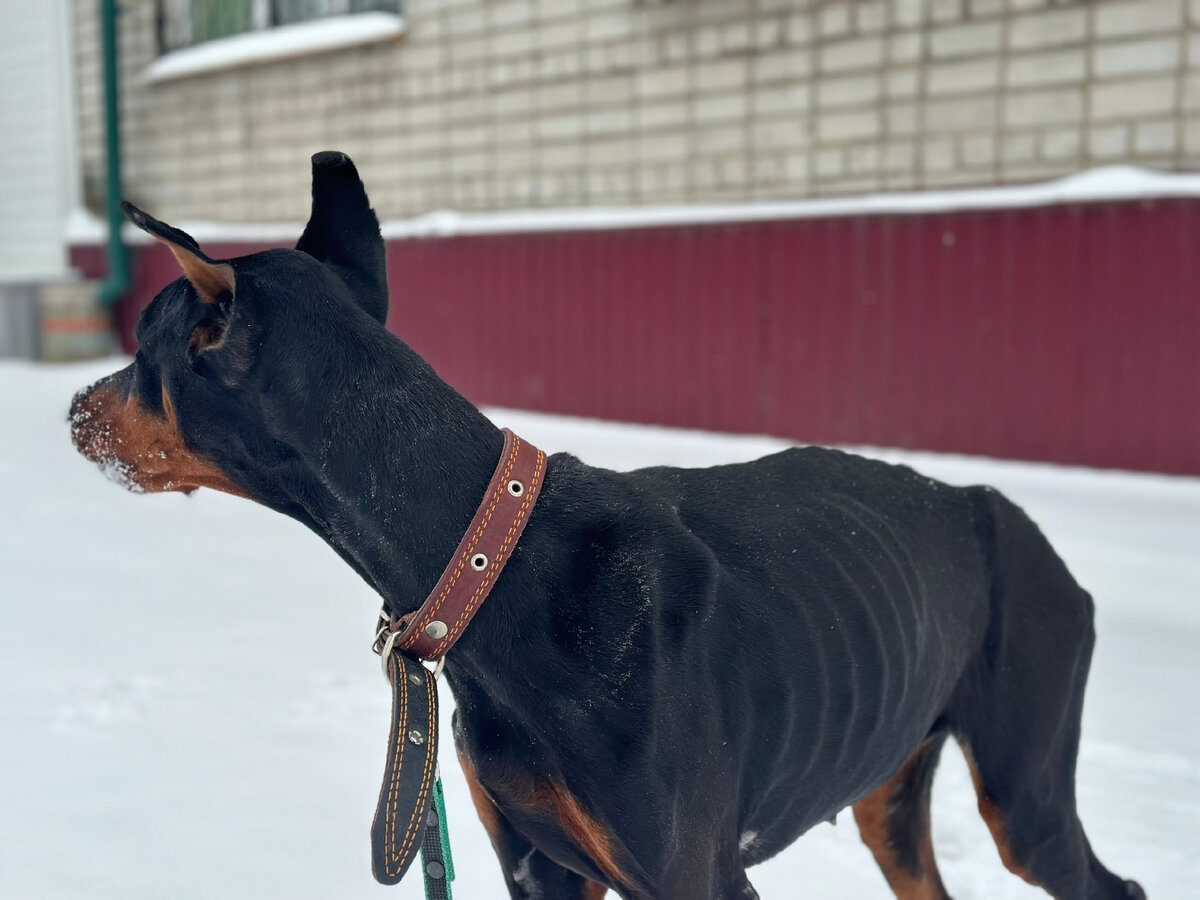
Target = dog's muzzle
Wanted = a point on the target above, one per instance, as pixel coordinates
(141, 450)
(98, 429)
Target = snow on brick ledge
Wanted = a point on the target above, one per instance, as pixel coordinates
(1096, 185)
(302, 39)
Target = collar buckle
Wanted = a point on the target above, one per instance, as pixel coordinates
(385, 643)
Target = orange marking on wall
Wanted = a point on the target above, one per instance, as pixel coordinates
(81, 325)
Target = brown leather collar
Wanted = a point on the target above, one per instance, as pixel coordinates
(473, 569)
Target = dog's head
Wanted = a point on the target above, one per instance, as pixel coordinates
(230, 354)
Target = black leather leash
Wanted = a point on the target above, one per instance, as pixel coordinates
(409, 770)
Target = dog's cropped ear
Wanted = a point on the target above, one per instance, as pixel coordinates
(211, 279)
(343, 233)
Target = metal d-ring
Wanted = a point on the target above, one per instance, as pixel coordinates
(438, 666)
(386, 653)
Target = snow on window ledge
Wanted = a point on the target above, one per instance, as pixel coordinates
(282, 42)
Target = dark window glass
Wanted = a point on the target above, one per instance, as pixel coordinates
(183, 23)
(289, 11)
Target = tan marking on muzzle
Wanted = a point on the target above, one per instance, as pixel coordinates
(136, 448)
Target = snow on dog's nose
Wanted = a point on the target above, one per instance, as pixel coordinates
(96, 435)
(138, 449)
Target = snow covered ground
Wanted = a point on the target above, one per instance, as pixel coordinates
(188, 705)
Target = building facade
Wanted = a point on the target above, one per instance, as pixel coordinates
(1053, 321)
(502, 104)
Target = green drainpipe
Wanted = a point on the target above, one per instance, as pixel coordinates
(117, 281)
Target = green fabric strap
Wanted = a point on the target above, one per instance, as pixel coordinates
(435, 849)
(439, 803)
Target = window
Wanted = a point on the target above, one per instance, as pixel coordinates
(185, 23)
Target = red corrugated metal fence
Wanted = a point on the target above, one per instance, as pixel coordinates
(1062, 333)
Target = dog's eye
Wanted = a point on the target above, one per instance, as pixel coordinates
(210, 333)
(208, 336)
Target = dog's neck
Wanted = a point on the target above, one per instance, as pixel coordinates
(397, 473)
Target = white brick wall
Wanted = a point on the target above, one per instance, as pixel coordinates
(1049, 29)
(503, 103)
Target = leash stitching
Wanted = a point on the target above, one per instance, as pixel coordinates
(412, 832)
(397, 758)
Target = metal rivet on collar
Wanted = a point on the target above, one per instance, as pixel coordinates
(415, 678)
(516, 488)
(416, 737)
(435, 869)
(479, 562)
(436, 629)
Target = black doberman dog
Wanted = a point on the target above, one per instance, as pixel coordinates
(680, 671)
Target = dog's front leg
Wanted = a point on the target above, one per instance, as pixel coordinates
(529, 873)
(536, 877)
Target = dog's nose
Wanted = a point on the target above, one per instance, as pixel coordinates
(83, 420)
(79, 403)
(86, 416)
